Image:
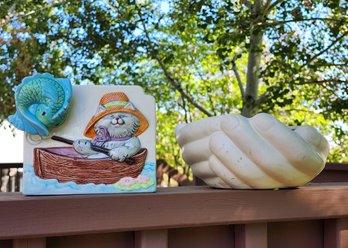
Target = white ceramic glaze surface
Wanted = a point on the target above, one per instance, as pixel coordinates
(232, 151)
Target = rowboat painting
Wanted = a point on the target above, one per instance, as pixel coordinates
(85, 139)
(66, 165)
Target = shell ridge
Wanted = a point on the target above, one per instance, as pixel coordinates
(42, 102)
(64, 98)
(26, 95)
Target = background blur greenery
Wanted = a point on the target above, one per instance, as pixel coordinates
(197, 58)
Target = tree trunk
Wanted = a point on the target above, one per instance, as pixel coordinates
(254, 58)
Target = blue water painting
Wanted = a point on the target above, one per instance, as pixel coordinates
(33, 185)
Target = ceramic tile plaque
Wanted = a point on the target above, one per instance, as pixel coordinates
(106, 144)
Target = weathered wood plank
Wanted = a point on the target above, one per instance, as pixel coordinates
(168, 208)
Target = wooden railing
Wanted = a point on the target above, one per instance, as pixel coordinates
(312, 216)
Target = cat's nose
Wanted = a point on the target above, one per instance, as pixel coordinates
(117, 121)
(114, 121)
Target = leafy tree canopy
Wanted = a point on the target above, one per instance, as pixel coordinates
(198, 58)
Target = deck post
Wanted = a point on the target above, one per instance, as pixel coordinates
(151, 238)
(29, 243)
(336, 233)
(250, 235)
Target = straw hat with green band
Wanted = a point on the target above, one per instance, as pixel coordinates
(112, 103)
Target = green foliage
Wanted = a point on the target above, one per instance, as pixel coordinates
(193, 56)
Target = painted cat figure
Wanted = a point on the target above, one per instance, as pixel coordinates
(115, 132)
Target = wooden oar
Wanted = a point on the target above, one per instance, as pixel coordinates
(94, 147)
(70, 142)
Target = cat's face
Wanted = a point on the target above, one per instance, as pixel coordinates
(118, 124)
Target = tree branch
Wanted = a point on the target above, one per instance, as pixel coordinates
(12, 8)
(211, 103)
(333, 64)
(275, 3)
(297, 110)
(272, 22)
(267, 7)
(185, 109)
(332, 91)
(325, 50)
(21, 14)
(210, 100)
(264, 97)
(324, 81)
(177, 86)
(240, 84)
(171, 80)
(110, 6)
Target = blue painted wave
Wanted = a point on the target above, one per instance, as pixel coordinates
(33, 185)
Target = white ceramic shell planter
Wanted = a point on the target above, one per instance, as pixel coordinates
(232, 151)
